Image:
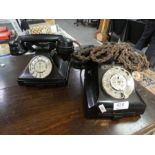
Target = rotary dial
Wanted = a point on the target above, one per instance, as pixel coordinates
(118, 82)
(40, 67)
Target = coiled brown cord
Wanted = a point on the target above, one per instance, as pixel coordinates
(121, 53)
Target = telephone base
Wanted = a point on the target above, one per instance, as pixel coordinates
(93, 100)
(58, 77)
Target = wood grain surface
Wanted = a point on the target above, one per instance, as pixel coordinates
(30, 110)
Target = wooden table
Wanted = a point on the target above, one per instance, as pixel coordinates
(29, 110)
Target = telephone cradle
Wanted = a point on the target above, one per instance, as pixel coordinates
(50, 63)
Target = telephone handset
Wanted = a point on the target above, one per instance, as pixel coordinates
(51, 60)
(109, 90)
(41, 42)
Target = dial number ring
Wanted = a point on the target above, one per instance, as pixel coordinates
(118, 83)
(40, 67)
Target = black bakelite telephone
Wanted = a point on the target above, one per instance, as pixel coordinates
(51, 61)
(109, 90)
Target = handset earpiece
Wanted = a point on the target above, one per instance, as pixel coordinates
(16, 47)
(65, 48)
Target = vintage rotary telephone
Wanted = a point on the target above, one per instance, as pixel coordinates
(109, 90)
(51, 62)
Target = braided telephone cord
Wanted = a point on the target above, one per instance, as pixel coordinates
(121, 53)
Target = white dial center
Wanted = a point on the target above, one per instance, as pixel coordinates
(118, 82)
(40, 66)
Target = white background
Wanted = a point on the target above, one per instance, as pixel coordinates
(77, 145)
(70, 9)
